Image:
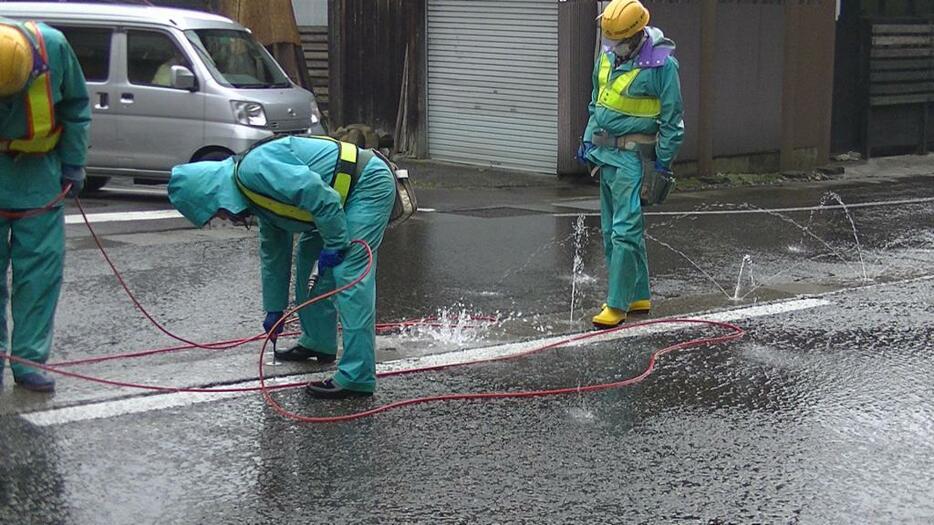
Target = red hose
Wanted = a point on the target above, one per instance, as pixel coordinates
(267, 390)
(737, 333)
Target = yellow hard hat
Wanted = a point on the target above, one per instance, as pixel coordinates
(15, 60)
(623, 19)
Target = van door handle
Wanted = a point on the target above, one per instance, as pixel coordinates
(126, 98)
(103, 101)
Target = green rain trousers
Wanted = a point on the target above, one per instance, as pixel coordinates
(367, 214)
(35, 248)
(623, 227)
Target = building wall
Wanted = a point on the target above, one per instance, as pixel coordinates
(893, 126)
(313, 13)
(748, 85)
(748, 72)
(679, 21)
(369, 41)
(748, 88)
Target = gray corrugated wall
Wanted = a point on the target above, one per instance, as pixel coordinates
(493, 83)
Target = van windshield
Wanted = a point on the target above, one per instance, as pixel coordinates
(236, 59)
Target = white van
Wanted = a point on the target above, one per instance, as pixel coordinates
(171, 86)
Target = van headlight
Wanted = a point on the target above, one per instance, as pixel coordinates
(315, 112)
(249, 113)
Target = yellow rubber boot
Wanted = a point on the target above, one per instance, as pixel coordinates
(609, 318)
(640, 307)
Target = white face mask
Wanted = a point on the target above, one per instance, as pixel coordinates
(623, 48)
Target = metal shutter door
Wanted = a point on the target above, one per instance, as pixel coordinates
(493, 83)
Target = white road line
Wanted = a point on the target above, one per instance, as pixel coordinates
(762, 210)
(136, 405)
(152, 215)
(109, 409)
(155, 215)
(153, 192)
(124, 216)
(509, 349)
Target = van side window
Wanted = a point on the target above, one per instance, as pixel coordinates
(150, 57)
(92, 46)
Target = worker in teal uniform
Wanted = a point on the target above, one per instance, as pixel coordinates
(636, 102)
(329, 193)
(45, 118)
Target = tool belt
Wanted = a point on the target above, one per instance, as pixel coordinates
(602, 138)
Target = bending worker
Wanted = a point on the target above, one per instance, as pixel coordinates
(45, 117)
(329, 193)
(636, 101)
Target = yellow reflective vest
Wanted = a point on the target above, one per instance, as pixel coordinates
(42, 132)
(615, 94)
(344, 175)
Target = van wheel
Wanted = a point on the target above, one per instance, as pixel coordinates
(213, 154)
(95, 183)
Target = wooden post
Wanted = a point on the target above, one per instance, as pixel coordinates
(336, 15)
(789, 81)
(824, 146)
(706, 100)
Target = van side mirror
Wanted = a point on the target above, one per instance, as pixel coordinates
(182, 78)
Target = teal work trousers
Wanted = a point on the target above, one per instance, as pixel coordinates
(623, 229)
(367, 213)
(35, 249)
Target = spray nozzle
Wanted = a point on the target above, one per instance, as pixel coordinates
(313, 278)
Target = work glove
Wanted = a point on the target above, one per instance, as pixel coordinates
(271, 319)
(329, 258)
(73, 175)
(585, 148)
(661, 168)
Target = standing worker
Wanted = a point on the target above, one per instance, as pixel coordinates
(636, 101)
(44, 121)
(329, 193)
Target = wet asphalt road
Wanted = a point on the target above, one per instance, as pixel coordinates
(819, 415)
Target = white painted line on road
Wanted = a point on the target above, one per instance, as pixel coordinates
(124, 216)
(137, 405)
(762, 210)
(108, 409)
(152, 215)
(511, 349)
(118, 190)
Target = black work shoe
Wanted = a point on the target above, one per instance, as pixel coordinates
(328, 389)
(300, 353)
